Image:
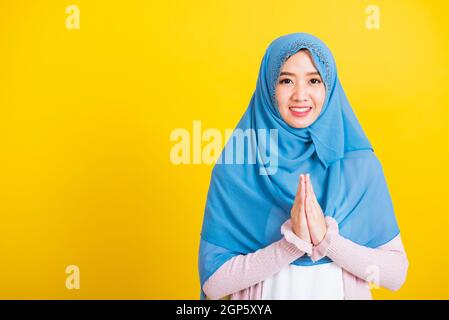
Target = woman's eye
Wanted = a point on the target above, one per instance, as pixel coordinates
(284, 81)
(315, 81)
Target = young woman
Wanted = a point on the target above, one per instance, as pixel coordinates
(320, 226)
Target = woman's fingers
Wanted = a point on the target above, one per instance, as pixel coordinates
(309, 182)
(302, 192)
(298, 204)
(311, 192)
(308, 201)
(298, 212)
(302, 211)
(313, 209)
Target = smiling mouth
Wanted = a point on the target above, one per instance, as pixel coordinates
(300, 111)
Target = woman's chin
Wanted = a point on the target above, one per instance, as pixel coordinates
(298, 124)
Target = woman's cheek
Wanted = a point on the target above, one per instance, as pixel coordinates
(318, 99)
(281, 100)
(285, 97)
(323, 96)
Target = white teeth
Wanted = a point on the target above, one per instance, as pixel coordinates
(300, 109)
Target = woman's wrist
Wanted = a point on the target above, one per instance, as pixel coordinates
(290, 236)
(320, 250)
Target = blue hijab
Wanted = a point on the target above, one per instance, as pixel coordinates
(248, 202)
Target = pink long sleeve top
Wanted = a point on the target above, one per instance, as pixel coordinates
(242, 277)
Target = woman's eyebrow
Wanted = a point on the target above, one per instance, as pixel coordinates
(285, 73)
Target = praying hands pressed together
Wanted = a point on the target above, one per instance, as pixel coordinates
(308, 221)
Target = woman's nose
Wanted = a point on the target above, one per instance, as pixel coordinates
(300, 93)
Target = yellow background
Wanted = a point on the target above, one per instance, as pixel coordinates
(86, 115)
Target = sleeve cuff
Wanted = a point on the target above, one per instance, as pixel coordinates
(290, 236)
(319, 251)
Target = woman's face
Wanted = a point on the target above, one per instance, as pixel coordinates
(300, 91)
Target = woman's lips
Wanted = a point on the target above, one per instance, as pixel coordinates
(300, 111)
